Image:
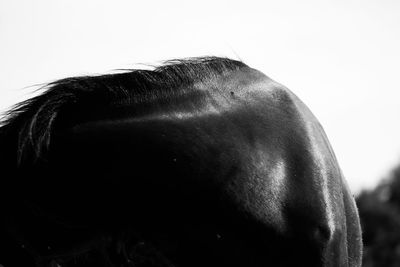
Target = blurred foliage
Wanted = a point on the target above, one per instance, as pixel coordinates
(380, 220)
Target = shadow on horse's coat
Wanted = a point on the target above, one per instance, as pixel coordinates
(200, 162)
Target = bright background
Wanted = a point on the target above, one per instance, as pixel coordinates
(342, 58)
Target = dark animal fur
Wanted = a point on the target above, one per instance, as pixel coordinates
(26, 133)
(33, 120)
(199, 162)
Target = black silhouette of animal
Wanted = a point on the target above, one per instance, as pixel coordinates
(199, 162)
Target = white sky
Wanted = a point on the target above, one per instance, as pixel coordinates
(342, 58)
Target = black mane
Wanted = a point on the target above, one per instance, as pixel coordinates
(29, 125)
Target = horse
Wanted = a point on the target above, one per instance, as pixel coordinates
(196, 162)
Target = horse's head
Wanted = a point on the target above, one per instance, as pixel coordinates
(202, 162)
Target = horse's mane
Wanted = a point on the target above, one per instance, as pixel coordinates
(30, 123)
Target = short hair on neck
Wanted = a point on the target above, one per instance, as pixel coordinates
(27, 128)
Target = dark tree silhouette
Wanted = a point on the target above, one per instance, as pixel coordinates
(380, 219)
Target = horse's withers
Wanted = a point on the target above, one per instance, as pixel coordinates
(231, 170)
(245, 160)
